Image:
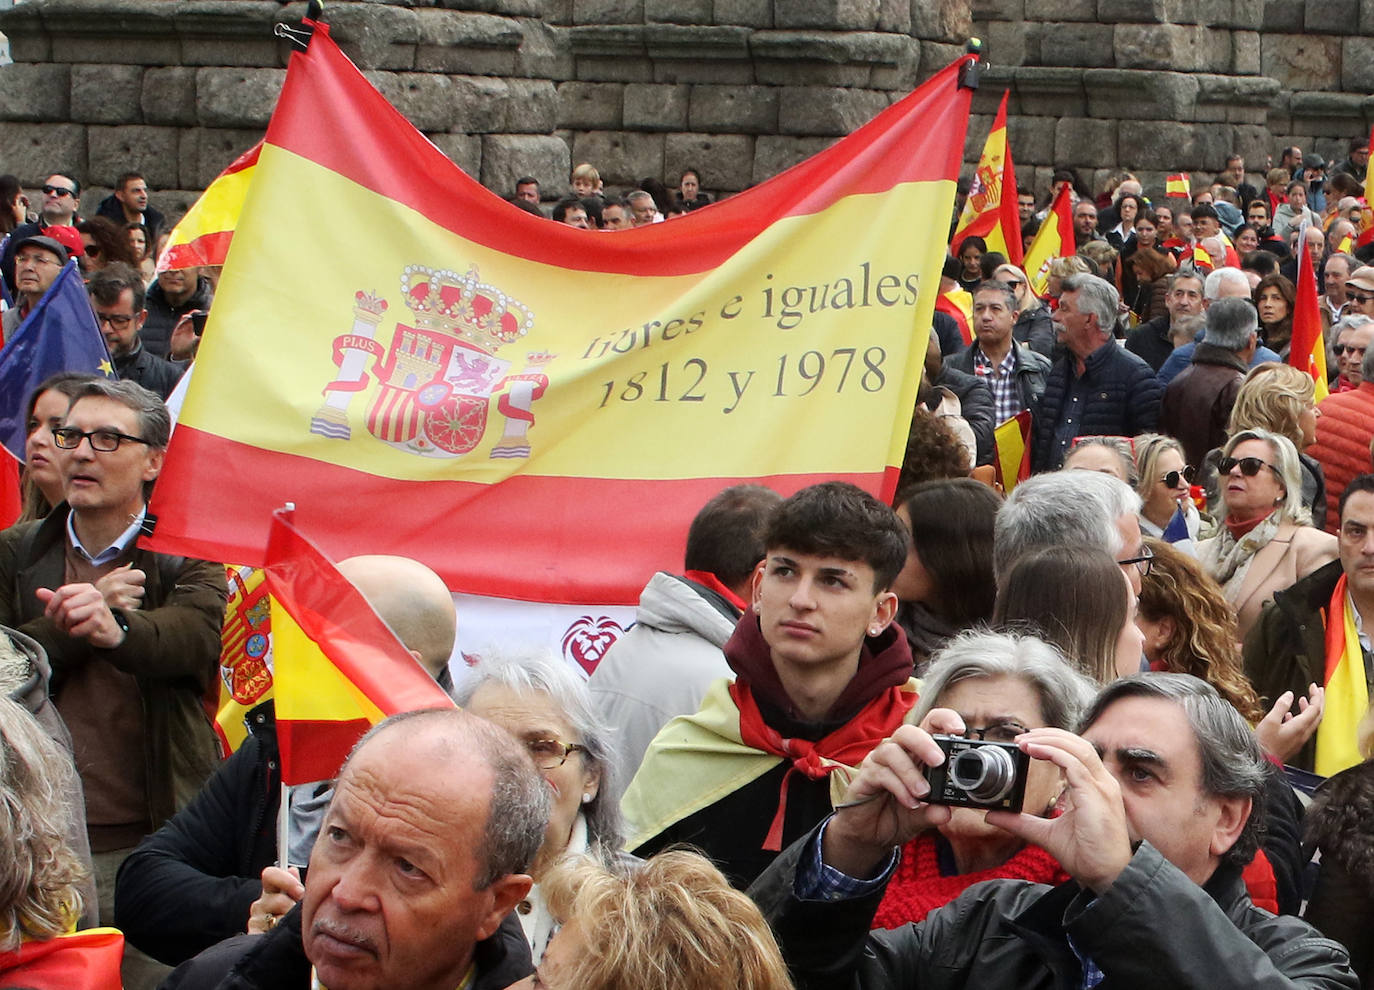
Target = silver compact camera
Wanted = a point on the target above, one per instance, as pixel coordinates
(978, 773)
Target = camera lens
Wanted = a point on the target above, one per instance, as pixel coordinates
(987, 773)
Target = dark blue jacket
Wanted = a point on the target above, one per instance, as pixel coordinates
(1122, 400)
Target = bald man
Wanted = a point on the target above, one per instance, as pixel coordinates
(209, 871)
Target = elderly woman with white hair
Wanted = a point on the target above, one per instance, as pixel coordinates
(1266, 541)
(540, 700)
(1001, 684)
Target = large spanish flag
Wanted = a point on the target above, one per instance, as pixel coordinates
(339, 668)
(537, 411)
(1053, 240)
(990, 210)
(203, 235)
(1308, 350)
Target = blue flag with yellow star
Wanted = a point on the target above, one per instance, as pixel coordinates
(60, 334)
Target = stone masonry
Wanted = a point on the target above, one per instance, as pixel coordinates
(739, 89)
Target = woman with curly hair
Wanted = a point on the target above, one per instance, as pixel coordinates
(40, 873)
(102, 243)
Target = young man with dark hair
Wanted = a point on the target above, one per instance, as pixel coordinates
(129, 204)
(821, 677)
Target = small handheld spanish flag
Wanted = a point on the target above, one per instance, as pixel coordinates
(1177, 185)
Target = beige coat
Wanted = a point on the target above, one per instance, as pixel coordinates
(1294, 552)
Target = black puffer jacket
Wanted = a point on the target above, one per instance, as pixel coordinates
(1122, 400)
(1153, 927)
(190, 883)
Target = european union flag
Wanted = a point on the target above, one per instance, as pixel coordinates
(61, 334)
(1177, 530)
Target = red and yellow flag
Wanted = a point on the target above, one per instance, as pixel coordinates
(1012, 439)
(990, 210)
(203, 235)
(535, 411)
(957, 304)
(245, 659)
(1178, 185)
(339, 668)
(1347, 693)
(1308, 349)
(1053, 240)
(84, 960)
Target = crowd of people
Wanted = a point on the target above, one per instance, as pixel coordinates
(1109, 722)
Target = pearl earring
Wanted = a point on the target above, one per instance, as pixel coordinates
(586, 799)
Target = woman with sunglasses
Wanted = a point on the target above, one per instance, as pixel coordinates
(1265, 542)
(103, 242)
(1281, 399)
(1034, 327)
(1164, 482)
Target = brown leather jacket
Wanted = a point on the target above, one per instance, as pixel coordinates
(1198, 402)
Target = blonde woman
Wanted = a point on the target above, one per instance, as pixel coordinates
(1281, 399)
(1265, 541)
(1164, 481)
(673, 922)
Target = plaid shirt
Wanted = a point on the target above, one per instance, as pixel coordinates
(816, 881)
(1006, 395)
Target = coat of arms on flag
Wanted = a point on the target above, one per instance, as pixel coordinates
(436, 379)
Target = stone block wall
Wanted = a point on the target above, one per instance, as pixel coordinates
(739, 89)
(1157, 86)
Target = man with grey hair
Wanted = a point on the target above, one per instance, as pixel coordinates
(133, 636)
(436, 819)
(1334, 301)
(1197, 404)
(642, 208)
(1152, 341)
(1222, 283)
(1164, 796)
(1070, 508)
(1353, 334)
(1097, 387)
(1344, 427)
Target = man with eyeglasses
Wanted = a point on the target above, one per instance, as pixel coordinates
(61, 197)
(133, 636)
(37, 261)
(116, 293)
(1344, 430)
(209, 873)
(1197, 404)
(1314, 641)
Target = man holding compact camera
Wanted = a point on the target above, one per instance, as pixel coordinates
(1164, 788)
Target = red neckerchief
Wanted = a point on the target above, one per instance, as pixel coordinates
(847, 745)
(708, 580)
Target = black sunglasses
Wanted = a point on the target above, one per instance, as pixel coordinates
(1171, 479)
(1351, 348)
(1359, 298)
(58, 191)
(1249, 466)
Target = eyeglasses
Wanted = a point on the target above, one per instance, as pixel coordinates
(1350, 348)
(117, 320)
(550, 754)
(1172, 478)
(36, 259)
(105, 441)
(58, 191)
(1142, 563)
(1004, 731)
(1249, 466)
(1359, 297)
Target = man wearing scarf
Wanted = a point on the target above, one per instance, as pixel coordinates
(821, 677)
(1317, 632)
